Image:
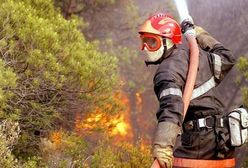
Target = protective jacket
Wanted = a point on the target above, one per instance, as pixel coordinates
(215, 62)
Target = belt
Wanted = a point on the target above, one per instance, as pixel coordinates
(207, 122)
(198, 163)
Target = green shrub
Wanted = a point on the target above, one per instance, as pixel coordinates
(47, 67)
(123, 155)
(243, 68)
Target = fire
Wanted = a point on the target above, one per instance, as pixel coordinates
(56, 137)
(121, 127)
(116, 125)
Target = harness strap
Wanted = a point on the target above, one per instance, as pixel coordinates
(222, 138)
(207, 122)
(195, 163)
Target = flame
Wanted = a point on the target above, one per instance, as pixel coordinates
(145, 146)
(116, 125)
(121, 127)
(56, 137)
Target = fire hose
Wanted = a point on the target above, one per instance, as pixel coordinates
(192, 72)
(190, 81)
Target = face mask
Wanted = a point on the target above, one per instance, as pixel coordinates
(153, 56)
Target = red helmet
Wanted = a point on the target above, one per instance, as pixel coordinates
(163, 25)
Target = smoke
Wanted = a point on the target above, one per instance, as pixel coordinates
(182, 9)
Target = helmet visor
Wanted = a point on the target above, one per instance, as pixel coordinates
(151, 42)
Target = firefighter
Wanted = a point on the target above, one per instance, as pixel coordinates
(202, 135)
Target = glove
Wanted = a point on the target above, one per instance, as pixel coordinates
(164, 155)
(199, 30)
(204, 39)
(164, 141)
(187, 27)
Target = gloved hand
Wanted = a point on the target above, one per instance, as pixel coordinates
(187, 27)
(164, 141)
(204, 39)
(199, 30)
(164, 155)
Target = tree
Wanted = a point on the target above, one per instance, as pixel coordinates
(48, 67)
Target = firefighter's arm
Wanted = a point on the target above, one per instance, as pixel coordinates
(221, 58)
(169, 117)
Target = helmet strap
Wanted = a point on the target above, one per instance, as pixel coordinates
(164, 43)
(167, 43)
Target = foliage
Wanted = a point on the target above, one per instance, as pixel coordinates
(70, 150)
(47, 67)
(8, 137)
(123, 155)
(9, 132)
(243, 68)
(7, 159)
(63, 149)
(7, 82)
(49, 73)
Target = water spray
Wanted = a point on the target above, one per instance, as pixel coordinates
(182, 9)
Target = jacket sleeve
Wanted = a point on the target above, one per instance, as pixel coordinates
(169, 94)
(169, 115)
(221, 58)
(169, 82)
